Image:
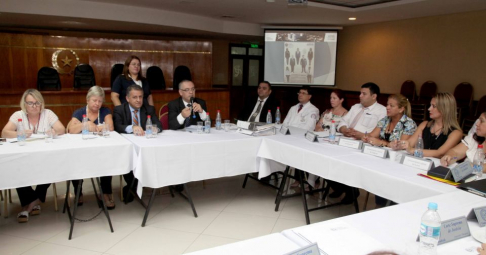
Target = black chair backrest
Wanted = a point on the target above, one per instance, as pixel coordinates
(408, 90)
(427, 92)
(48, 79)
(481, 107)
(84, 77)
(181, 73)
(116, 70)
(463, 94)
(155, 78)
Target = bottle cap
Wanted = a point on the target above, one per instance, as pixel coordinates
(480, 146)
(278, 107)
(19, 120)
(148, 116)
(84, 115)
(268, 110)
(218, 110)
(432, 206)
(207, 113)
(333, 121)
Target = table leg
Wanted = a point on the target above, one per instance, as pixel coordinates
(103, 202)
(147, 211)
(75, 208)
(304, 199)
(189, 198)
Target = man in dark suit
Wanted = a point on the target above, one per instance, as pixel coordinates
(181, 112)
(252, 105)
(292, 64)
(131, 117)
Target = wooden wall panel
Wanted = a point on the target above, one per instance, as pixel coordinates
(26, 54)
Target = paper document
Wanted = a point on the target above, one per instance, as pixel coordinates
(338, 238)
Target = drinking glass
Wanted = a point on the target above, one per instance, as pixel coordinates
(227, 125)
(106, 130)
(200, 126)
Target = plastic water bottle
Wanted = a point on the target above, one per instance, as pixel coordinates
(478, 161)
(429, 231)
(148, 128)
(85, 130)
(218, 120)
(419, 148)
(20, 133)
(269, 117)
(277, 116)
(207, 124)
(332, 133)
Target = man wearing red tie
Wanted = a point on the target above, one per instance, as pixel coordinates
(304, 114)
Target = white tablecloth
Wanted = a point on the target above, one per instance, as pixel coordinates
(398, 226)
(382, 177)
(67, 158)
(177, 157)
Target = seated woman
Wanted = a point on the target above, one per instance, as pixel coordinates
(439, 134)
(469, 146)
(36, 120)
(396, 126)
(132, 74)
(97, 115)
(336, 113)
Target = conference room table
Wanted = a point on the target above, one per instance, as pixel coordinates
(382, 177)
(393, 228)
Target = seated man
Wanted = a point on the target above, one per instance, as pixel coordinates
(181, 113)
(304, 114)
(131, 117)
(256, 108)
(361, 119)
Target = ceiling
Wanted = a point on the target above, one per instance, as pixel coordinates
(211, 18)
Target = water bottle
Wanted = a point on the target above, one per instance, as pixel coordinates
(277, 116)
(332, 133)
(148, 127)
(85, 130)
(207, 124)
(269, 117)
(419, 148)
(20, 133)
(429, 231)
(218, 121)
(478, 161)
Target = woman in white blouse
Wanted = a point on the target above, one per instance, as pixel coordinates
(469, 145)
(35, 120)
(336, 113)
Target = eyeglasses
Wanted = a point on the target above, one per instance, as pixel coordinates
(302, 93)
(32, 104)
(187, 90)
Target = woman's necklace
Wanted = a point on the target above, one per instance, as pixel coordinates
(35, 128)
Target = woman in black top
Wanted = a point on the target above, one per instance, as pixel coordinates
(442, 132)
(132, 74)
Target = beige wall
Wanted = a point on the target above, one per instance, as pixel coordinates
(447, 49)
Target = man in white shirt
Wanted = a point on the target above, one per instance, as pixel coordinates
(183, 112)
(304, 114)
(362, 118)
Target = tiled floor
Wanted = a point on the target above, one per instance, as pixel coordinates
(226, 213)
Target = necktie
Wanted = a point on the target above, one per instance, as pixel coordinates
(187, 121)
(356, 119)
(300, 108)
(135, 118)
(259, 108)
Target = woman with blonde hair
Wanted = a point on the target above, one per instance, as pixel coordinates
(442, 132)
(97, 115)
(397, 125)
(35, 120)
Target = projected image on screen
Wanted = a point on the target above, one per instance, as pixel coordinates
(300, 57)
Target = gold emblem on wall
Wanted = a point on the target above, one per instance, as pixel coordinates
(64, 61)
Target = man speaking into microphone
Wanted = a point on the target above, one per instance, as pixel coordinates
(186, 110)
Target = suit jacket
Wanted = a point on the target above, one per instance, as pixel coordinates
(292, 61)
(271, 104)
(175, 108)
(122, 117)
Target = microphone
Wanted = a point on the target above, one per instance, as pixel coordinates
(192, 108)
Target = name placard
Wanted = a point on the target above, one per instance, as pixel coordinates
(311, 137)
(350, 143)
(453, 229)
(461, 171)
(284, 130)
(420, 163)
(306, 250)
(478, 214)
(375, 151)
